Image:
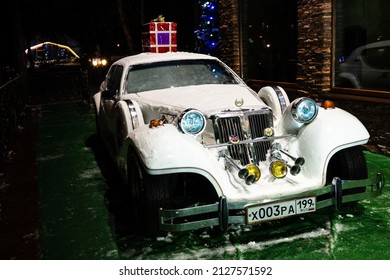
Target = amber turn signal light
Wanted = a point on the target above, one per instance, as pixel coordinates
(328, 104)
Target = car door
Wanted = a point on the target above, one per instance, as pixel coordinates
(376, 68)
(109, 98)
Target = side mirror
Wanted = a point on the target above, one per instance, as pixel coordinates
(109, 94)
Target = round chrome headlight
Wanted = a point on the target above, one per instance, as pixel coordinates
(192, 122)
(304, 110)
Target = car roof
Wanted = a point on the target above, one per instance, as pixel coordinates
(145, 58)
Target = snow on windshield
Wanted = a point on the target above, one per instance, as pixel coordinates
(177, 74)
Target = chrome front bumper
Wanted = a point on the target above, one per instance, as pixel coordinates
(224, 213)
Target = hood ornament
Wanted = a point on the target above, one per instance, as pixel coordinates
(239, 102)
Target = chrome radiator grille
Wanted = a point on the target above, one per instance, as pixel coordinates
(244, 125)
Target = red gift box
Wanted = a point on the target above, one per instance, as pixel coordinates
(159, 37)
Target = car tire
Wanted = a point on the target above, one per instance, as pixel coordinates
(348, 164)
(137, 193)
(149, 193)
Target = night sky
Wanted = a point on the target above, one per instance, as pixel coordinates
(96, 25)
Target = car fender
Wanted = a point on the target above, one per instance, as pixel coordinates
(332, 131)
(164, 149)
(97, 97)
(96, 102)
(276, 98)
(128, 117)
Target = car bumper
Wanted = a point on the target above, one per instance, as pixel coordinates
(223, 213)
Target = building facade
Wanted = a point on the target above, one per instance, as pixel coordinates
(322, 48)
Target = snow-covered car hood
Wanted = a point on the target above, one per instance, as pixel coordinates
(206, 98)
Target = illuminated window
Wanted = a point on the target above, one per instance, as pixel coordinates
(362, 44)
(269, 39)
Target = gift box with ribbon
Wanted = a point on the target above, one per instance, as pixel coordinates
(159, 37)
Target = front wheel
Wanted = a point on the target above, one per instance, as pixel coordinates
(348, 164)
(149, 193)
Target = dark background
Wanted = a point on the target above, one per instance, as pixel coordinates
(97, 26)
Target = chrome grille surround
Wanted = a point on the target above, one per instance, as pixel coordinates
(244, 124)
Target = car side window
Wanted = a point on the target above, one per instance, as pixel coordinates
(377, 57)
(114, 78)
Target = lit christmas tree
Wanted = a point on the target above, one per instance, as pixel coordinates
(208, 35)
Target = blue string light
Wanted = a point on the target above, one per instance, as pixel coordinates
(207, 35)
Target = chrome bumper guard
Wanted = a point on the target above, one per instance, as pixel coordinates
(223, 213)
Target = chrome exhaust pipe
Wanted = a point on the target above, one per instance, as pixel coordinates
(251, 173)
(297, 161)
(294, 169)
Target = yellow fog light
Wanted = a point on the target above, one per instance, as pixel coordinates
(251, 173)
(278, 169)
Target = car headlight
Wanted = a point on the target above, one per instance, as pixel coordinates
(304, 110)
(299, 113)
(192, 122)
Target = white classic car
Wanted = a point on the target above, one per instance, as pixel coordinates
(199, 148)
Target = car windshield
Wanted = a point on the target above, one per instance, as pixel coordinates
(177, 74)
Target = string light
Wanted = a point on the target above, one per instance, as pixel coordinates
(208, 36)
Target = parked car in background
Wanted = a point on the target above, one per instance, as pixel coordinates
(199, 148)
(367, 67)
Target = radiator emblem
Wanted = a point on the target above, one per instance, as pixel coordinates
(234, 139)
(239, 102)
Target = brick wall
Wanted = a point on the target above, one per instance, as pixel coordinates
(314, 46)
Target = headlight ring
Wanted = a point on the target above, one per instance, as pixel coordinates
(304, 110)
(192, 122)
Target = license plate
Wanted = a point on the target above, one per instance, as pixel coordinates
(280, 209)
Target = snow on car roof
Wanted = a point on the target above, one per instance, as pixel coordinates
(144, 58)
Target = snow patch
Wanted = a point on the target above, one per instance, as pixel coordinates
(206, 253)
(50, 157)
(112, 253)
(251, 246)
(90, 173)
(168, 238)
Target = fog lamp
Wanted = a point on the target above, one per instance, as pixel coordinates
(278, 169)
(251, 173)
(253, 170)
